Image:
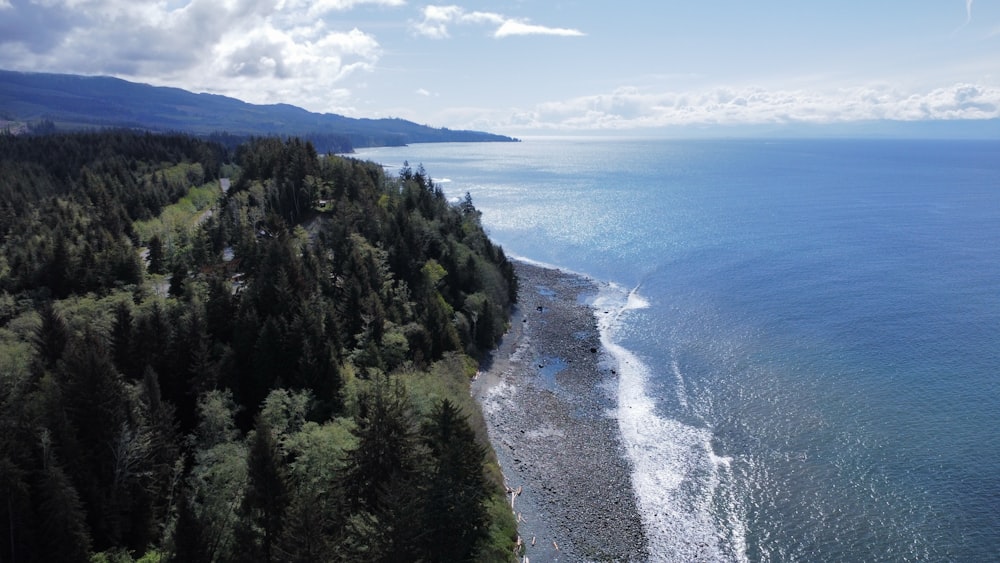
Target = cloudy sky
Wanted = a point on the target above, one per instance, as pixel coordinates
(524, 66)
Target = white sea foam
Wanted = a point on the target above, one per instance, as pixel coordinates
(676, 474)
(635, 301)
(682, 399)
(547, 266)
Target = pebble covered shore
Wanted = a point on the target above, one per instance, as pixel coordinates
(548, 395)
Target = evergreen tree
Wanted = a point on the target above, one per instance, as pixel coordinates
(265, 499)
(52, 336)
(389, 276)
(455, 513)
(122, 340)
(156, 255)
(219, 309)
(383, 471)
(178, 276)
(310, 528)
(62, 529)
(15, 510)
(386, 443)
(96, 413)
(188, 542)
(485, 326)
(160, 454)
(154, 342)
(59, 269)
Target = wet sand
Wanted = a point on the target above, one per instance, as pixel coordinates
(548, 395)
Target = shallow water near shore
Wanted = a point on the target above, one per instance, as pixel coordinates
(809, 367)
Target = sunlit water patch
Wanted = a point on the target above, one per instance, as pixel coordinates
(815, 374)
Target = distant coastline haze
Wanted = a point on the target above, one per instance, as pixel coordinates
(529, 68)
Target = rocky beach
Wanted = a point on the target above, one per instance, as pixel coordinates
(549, 395)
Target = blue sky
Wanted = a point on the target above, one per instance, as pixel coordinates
(533, 66)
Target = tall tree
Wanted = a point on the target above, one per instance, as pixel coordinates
(16, 519)
(188, 544)
(51, 337)
(96, 412)
(123, 340)
(265, 499)
(156, 255)
(62, 529)
(387, 441)
(382, 472)
(455, 514)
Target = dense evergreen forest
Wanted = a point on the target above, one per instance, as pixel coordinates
(251, 355)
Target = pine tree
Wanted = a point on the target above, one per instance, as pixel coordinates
(57, 271)
(62, 529)
(123, 340)
(219, 309)
(154, 342)
(382, 474)
(156, 255)
(96, 412)
(455, 514)
(189, 544)
(265, 499)
(178, 276)
(161, 437)
(386, 443)
(51, 337)
(309, 528)
(15, 510)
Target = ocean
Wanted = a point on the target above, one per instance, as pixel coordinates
(807, 331)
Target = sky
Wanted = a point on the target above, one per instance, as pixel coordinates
(539, 66)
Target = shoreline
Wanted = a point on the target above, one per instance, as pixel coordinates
(549, 394)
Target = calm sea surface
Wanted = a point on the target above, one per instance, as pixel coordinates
(808, 331)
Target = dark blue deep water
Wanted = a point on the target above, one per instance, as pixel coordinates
(808, 331)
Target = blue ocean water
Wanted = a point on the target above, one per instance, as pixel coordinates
(808, 331)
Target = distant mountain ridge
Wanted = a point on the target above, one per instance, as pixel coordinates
(74, 101)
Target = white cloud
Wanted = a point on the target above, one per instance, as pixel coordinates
(422, 92)
(437, 20)
(512, 27)
(270, 66)
(262, 51)
(318, 8)
(630, 108)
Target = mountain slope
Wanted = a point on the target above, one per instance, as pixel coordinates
(73, 101)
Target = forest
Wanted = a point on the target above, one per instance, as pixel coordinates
(256, 353)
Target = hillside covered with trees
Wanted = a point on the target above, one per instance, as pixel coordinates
(257, 355)
(32, 100)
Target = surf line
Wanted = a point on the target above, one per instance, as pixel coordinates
(675, 472)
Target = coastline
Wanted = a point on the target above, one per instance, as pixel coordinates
(548, 395)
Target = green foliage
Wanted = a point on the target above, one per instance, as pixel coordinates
(62, 531)
(177, 222)
(265, 498)
(502, 533)
(189, 543)
(219, 472)
(69, 203)
(305, 400)
(454, 513)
